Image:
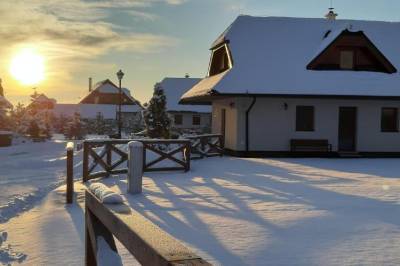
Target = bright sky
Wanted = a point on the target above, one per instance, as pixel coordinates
(147, 39)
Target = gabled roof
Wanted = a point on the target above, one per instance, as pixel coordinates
(387, 66)
(174, 88)
(42, 98)
(270, 56)
(42, 102)
(108, 87)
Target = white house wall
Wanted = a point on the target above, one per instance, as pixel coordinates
(271, 126)
(108, 111)
(187, 120)
(231, 119)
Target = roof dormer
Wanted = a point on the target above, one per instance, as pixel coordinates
(351, 51)
(220, 60)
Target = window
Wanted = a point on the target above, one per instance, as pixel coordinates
(196, 120)
(178, 119)
(389, 120)
(219, 61)
(346, 59)
(305, 118)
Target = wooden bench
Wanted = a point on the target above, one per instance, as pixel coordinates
(312, 145)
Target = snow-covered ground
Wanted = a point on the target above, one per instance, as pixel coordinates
(236, 211)
(28, 171)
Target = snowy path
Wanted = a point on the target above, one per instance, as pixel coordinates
(49, 231)
(27, 173)
(236, 211)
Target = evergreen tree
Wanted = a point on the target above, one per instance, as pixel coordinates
(100, 124)
(18, 116)
(156, 117)
(33, 129)
(74, 128)
(4, 121)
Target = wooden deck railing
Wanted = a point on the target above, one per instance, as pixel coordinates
(149, 244)
(101, 153)
(206, 145)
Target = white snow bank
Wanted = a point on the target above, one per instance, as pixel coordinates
(105, 194)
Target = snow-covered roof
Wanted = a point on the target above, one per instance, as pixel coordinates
(44, 99)
(107, 86)
(174, 88)
(270, 56)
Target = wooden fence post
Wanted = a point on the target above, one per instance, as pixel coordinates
(135, 167)
(70, 172)
(187, 153)
(85, 163)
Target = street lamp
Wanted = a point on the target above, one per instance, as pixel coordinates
(120, 75)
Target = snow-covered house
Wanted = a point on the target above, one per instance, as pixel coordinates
(102, 101)
(42, 102)
(185, 117)
(279, 85)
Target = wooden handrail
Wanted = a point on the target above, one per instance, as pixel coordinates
(206, 145)
(148, 243)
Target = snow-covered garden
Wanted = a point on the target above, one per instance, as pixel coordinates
(231, 211)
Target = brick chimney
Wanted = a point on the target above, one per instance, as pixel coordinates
(90, 84)
(331, 16)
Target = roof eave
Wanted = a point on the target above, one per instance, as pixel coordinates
(209, 98)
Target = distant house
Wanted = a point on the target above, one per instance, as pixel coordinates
(102, 102)
(104, 99)
(42, 102)
(305, 86)
(188, 118)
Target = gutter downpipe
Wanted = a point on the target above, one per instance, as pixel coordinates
(247, 121)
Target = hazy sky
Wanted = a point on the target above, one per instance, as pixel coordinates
(147, 39)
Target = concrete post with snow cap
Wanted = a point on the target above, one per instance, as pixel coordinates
(135, 167)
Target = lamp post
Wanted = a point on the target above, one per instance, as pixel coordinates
(120, 75)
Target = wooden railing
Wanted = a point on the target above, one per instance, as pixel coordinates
(101, 152)
(149, 244)
(206, 145)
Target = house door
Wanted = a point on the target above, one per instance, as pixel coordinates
(347, 128)
(223, 124)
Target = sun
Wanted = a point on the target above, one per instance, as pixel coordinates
(27, 66)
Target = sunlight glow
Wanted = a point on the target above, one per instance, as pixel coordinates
(27, 66)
